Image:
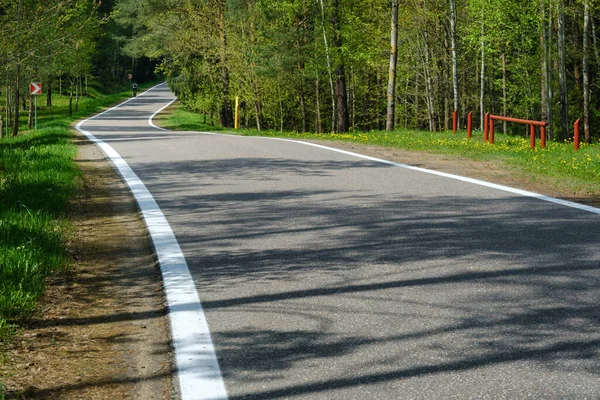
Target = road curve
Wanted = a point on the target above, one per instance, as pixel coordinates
(327, 276)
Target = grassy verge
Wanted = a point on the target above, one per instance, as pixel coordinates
(578, 171)
(38, 177)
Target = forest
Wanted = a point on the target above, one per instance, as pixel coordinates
(67, 46)
(320, 65)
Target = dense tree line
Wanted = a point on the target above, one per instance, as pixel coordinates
(318, 65)
(324, 65)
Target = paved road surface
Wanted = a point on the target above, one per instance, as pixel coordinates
(326, 276)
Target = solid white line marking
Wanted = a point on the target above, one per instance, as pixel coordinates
(156, 113)
(198, 369)
(509, 189)
(460, 178)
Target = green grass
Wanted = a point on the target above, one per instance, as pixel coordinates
(577, 171)
(38, 177)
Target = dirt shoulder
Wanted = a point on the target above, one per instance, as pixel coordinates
(102, 333)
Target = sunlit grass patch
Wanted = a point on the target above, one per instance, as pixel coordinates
(38, 178)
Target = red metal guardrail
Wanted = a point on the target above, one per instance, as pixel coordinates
(469, 123)
(488, 128)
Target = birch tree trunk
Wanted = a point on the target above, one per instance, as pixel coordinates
(454, 62)
(504, 98)
(482, 77)
(30, 115)
(562, 73)
(550, 79)
(586, 89)
(318, 125)
(543, 66)
(426, 64)
(391, 91)
(329, 70)
(254, 77)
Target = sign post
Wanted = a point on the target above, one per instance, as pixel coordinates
(236, 122)
(35, 89)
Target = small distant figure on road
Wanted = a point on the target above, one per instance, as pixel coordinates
(134, 88)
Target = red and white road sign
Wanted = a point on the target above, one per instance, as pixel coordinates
(129, 76)
(35, 88)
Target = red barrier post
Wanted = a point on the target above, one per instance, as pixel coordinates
(576, 136)
(485, 127)
(531, 136)
(469, 124)
(491, 125)
(454, 121)
(543, 136)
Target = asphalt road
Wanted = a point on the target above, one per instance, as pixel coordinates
(326, 276)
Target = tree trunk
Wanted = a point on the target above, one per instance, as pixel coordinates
(416, 101)
(550, 97)
(300, 64)
(15, 130)
(504, 98)
(343, 119)
(586, 95)
(258, 110)
(454, 61)
(8, 109)
(594, 42)
(482, 77)
(406, 102)
(341, 95)
(77, 94)
(544, 67)
(426, 65)
(391, 91)
(562, 73)
(226, 115)
(280, 114)
(353, 82)
(71, 101)
(329, 69)
(254, 78)
(30, 116)
(318, 124)
(49, 93)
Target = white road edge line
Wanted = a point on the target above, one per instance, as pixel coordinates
(198, 369)
(509, 189)
(151, 123)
